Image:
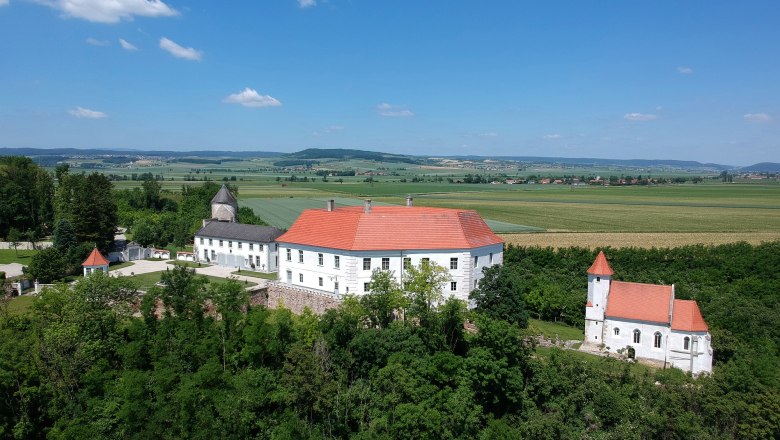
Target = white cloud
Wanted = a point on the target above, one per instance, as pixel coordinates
(3, 2)
(307, 3)
(757, 117)
(110, 11)
(174, 49)
(552, 136)
(393, 111)
(640, 117)
(85, 113)
(250, 98)
(685, 70)
(95, 41)
(125, 45)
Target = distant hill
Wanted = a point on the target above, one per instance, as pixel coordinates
(70, 152)
(588, 161)
(766, 167)
(344, 153)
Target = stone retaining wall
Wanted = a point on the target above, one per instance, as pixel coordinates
(278, 294)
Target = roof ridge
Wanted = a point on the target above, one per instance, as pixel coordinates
(646, 284)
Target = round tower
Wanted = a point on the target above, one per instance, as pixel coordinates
(224, 206)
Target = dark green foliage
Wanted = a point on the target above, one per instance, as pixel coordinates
(26, 191)
(201, 363)
(47, 266)
(247, 216)
(497, 295)
(87, 202)
(64, 239)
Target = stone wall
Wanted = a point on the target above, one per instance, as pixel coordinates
(278, 294)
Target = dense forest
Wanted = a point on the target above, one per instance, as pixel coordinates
(198, 362)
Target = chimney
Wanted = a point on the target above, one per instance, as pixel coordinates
(409, 201)
(330, 205)
(367, 207)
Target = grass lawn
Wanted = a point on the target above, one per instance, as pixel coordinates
(249, 273)
(613, 364)
(146, 281)
(551, 329)
(10, 256)
(120, 265)
(20, 304)
(185, 263)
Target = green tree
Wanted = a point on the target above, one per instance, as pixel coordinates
(87, 202)
(47, 265)
(64, 239)
(14, 237)
(384, 300)
(423, 286)
(498, 294)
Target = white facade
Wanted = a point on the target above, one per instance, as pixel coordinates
(241, 254)
(348, 272)
(688, 351)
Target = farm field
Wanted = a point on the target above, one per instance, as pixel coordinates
(647, 240)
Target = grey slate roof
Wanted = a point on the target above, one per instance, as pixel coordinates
(224, 196)
(240, 231)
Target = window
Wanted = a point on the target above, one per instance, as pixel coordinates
(320, 281)
(385, 263)
(598, 279)
(366, 287)
(300, 256)
(251, 246)
(476, 260)
(300, 277)
(201, 240)
(366, 264)
(230, 243)
(221, 243)
(686, 343)
(453, 285)
(657, 340)
(336, 261)
(289, 255)
(617, 331)
(637, 336)
(213, 254)
(260, 247)
(240, 244)
(206, 254)
(211, 242)
(426, 261)
(276, 246)
(407, 262)
(491, 258)
(320, 260)
(335, 285)
(453, 263)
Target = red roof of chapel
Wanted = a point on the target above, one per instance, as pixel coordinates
(687, 317)
(95, 259)
(390, 228)
(638, 301)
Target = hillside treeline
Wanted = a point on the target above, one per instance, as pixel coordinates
(200, 363)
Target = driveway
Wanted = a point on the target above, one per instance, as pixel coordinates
(11, 269)
(141, 266)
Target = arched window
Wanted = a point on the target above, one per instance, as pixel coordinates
(617, 331)
(686, 343)
(657, 340)
(637, 336)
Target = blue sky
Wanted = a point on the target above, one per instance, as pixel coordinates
(688, 80)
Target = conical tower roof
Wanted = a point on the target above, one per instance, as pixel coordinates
(600, 266)
(223, 196)
(95, 259)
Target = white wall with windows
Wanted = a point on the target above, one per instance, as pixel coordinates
(342, 272)
(247, 255)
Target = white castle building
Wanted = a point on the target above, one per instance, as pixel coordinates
(225, 242)
(334, 250)
(647, 318)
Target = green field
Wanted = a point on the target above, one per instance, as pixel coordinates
(8, 256)
(19, 304)
(551, 330)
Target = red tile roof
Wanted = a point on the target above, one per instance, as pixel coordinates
(600, 266)
(637, 301)
(95, 259)
(687, 317)
(390, 228)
